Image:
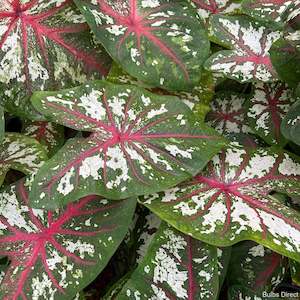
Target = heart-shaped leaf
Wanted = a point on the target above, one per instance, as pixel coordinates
(249, 41)
(290, 126)
(160, 42)
(20, 153)
(176, 267)
(255, 267)
(227, 113)
(56, 254)
(266, 109)
(140, 143)
(48, 134)
(206, 8)
(229, 201)
(270, 10)
(295, 271)
(43, 45)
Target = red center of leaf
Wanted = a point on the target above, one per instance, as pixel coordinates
(25, 249)
(140, 26)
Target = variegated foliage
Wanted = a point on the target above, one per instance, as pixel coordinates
(206, 8)
(255, 268)
(176, 267)
(48, 134)
(249, 43)
(161, 42)
(228, 113)
(140, 143)
(53, 255)
(266, 109)
(277, 11)
(290, 127)
(2, 123)
(44, 44)
(229, 201)
(20, 153)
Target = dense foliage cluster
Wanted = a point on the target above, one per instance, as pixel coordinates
(149, 149)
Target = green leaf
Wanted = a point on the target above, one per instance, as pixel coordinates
(140, 143)
(54, 255)
(176, 267)
(229, 201)
(159, 42)
(48, 134)
(295, 271)
(44, 45)
(224, 255)
(266, 109)
(249, 41)
(2, 123)
(285, 56)
(228, 114)
(255, 267)
(20, 153)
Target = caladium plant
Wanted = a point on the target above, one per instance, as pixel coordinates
(55, 254)
(160, 42)
(229, 201)
(44, 44)
(20, 153)
(249, 42)
(140, 143)
(161, 144)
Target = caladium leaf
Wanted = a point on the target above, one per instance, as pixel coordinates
(160, 42)
(229, 201)
(249, 41)
(48, 134)
(176, 267)
(290, 126)
(20, 153)
(2, 123)
(243, 293)
(140, 143)
(285, 56)
(270, 10)
(228, 114)
(43, 45)
(256, 267)
(206, 8)
(266, 108)
(56, 254)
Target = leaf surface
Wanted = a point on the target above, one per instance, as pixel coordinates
(255, 267)
(249, 41)
(266, 109)
(2, 123)
(140, 143)
(20, 153)
(229, 201)
(228, 114)
(56, 254)
(176, 267)
(44, 45)
(206, 8)
(159, 42)
(48, 134)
